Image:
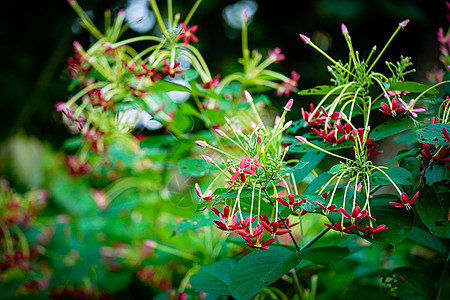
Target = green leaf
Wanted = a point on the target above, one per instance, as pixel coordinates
(433, 208)
(198, 220)
(437, 173)
(390, 127)
(261, 268)
(426, 239)
(411, 86)
(432, 134)
(403, 154)
(327, 254)
(190, 74)
(320, 90)
(167, 86)
(214, 278)
(298, 147)
(398, 175)
(407, 283)
(296, 168)
(193, 167)
(313, 158)
(72, 143)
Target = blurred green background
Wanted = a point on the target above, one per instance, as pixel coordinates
(38, 36)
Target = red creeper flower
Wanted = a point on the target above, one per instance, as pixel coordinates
(357, 214)
(410, 107)
(171, 70)
(292, 202)
(210, 84)
(406, 202)
(272, 227)
(371, 231)
(331, 208)
(188, 34)
(391, 110)
(225, 223)
(150, 73)
(288, 86)
(276, 54)
(257, 243)
(207, 197)
(312, 118)
(338, 227)
(242, 170)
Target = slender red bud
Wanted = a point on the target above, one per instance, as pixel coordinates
(404, 23)
(207, 158)
(305, 38)
(288, 105)
(201, 143)
(301, 139)
(344, 28)
(247, 96)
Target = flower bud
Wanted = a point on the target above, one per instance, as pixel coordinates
(201, 143)
(259, 139)
(288, 105)
(344, 28)
(247, 96)
(207, 158)
(404, 23)
(227, 121)
(245, 15)
(301, 139)
(220, 132)
(305, 38)
(288, 124)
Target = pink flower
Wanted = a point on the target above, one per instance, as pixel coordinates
(272, 227)
(225, 223)
(391, 110)
(331, 208)
(292, 202)
(276, 54)
(334, 116)
(410, 107)
(312, 118)
(406, 202)
(289, 104)
(207, 197)
(188, 34)
(170, 70)
(301, 139)
(150, 73)
(257, 243)
(305, 38)
(242, 170)
(201, 143)
(210, 84)
(288, 86)
(338, 227)
(253, 162)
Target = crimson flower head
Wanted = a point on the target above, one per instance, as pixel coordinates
(188, 34)
(150, 73)
(257, 243)
(253, 162)
(406, 202)
(207, 197)
(331, 208)
(276, 54)
(356, 214)
(289, 85)
(171, 70)
(371, 231)
(338, 227)
(312, 118)
(245, 228)
(210, 84)
(227, 219)
(242, 170)
(292, 202)
(273, 227)
(334, 116)
(391, 110)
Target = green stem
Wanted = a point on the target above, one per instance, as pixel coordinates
(316, 238)
(384, 48)
(159, 18)
(191, 12)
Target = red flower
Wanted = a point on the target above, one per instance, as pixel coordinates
(257, 243)
(225, 223)
(331, 208)
(371, 231)
(171, 70)
(210, 84)
(338, 227)
(406, 202)
(188, 34)
(77, 167)
(357, 214)
(242, 170)
(253, 162)
(312, 118)
(391, 110)
(151, 73)
(292, 202)
(288, 86)
(207, 197)
(245, 228)
(272, 227)
(334, 116)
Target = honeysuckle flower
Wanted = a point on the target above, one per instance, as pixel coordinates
(210, 84)
(207, 197)
(371, 231)
(245, 228)
(188, 34)
(292, 203)
(338, 227)
(391, 110)
(334, 116)
(331, 208)
(257, 243)
(356, 214)
(406, 202)
(171, 71)
(344, 129)
(330, 136)
(288, 86)
(150, 73)
(225, 223)
(410, 107)
(312, 118)
(276, 55)
(242, 170)
(273, 227)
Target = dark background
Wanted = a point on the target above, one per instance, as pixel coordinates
(37, 40)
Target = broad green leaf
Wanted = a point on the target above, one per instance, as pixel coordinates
(398, 175)
(72, 143)
(190, 74)
(167, 86)
(318, 182)
(261, 268)
(408, 284)
(327, 254)
(433, 208)
(320, 90)
(432, 134)
(214, 278)
(299, 166)
(411, 86)
(313, 158)
(402, 154)
(298, 147)
(426, 239)
(200, 219)
(390, 127)
(437, 173)
(193, 167)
